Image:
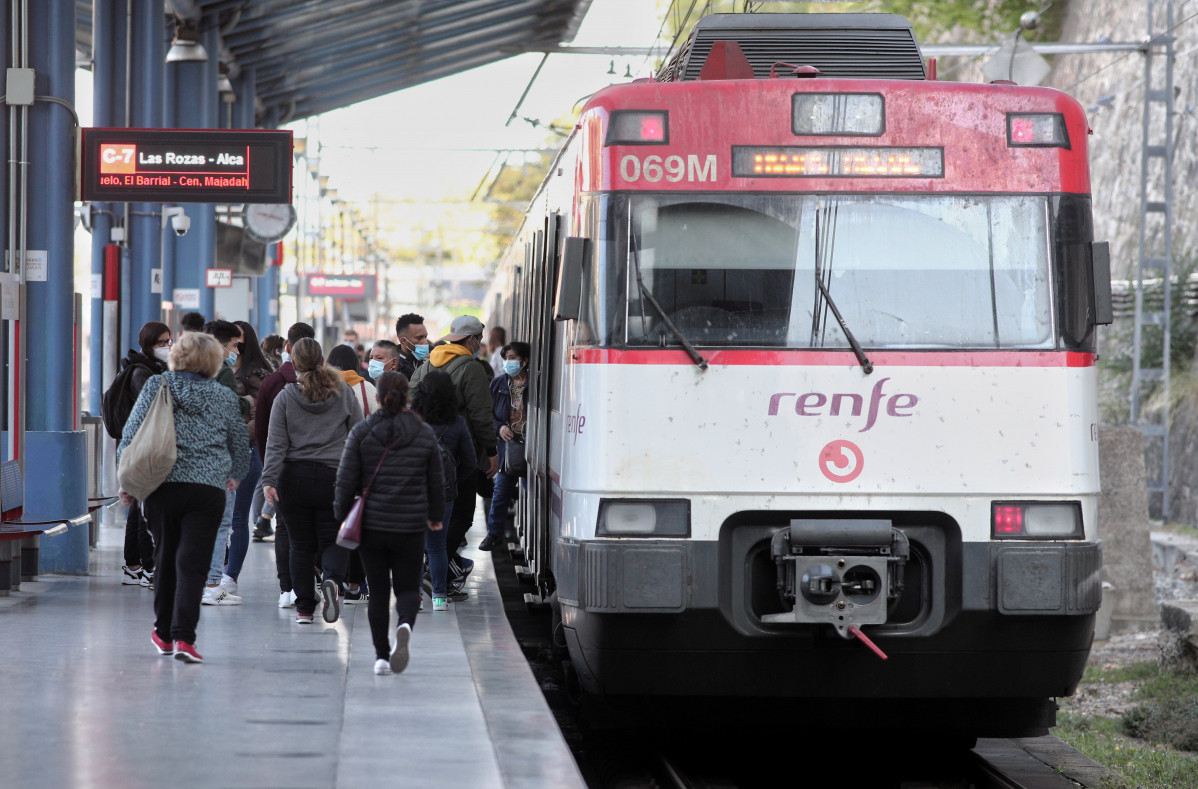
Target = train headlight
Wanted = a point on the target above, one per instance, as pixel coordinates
(644, 518)
(1036, 520)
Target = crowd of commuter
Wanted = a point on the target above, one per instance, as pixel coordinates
(283, 435)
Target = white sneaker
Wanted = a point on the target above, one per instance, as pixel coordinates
(399, 652)
(131, 577)
(216, 595)
(440, 604)
(229, 584)
(382, 667)
(286, 599)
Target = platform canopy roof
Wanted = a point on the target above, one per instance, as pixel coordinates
(312, 56)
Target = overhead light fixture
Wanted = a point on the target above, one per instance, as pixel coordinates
(612, 68)
(627, 71)
(186, 46)
(223, 85)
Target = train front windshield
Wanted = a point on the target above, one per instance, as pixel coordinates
(905, 271)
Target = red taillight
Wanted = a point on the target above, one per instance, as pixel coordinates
(652, 128)
(1008, 520)
(638, 127)
(1037, 129)
(1023, 130)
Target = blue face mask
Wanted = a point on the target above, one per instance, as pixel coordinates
(231, 358)
(512, 366)
(375, 368)
(420, 352)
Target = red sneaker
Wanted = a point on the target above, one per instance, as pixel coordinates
(187, 653)
(163, 647)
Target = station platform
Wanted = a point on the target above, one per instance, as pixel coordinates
(87, 702)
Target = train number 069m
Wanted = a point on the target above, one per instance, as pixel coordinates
(654, 168)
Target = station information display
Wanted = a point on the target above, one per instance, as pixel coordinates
(186, 166)
(352, 287)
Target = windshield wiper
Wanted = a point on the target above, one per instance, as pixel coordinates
(866, 364)
(645, 294)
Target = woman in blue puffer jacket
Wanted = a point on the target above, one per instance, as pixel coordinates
(184, 513)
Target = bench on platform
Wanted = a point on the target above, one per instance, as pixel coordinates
(18, 536)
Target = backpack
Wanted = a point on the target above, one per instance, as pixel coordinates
(119, 398)
(449, 464)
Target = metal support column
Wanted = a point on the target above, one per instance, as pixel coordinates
(193, 99)
(108, 92)
(145, 232)
(54, 454)
(1155, 245)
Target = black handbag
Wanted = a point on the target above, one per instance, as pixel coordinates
(514, 463)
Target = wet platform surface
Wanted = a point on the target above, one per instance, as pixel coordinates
(87, 702)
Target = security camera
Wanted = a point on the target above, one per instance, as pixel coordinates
(180, 222)
(1029, 20)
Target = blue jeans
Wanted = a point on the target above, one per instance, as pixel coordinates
(260, 507)
(504, 495)
(216, 568)
(239, 540)
(438, 558)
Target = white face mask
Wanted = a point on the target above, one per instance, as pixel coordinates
(162, 354)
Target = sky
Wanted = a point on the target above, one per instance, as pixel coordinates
(435, 140)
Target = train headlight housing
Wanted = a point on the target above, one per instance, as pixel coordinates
(638, 127)
(1036, 520)
(644, 518)
(1037, 130)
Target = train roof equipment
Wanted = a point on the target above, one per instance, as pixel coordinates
(854, 46)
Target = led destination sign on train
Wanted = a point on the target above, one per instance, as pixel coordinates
(159, 165)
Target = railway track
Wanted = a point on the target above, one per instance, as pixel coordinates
(630, 759)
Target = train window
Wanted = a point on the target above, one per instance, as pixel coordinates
(1073, 231)
(740, 270)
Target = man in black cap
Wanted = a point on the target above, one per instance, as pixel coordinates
(458, 358)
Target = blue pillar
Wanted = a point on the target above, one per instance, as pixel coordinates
(108, 100)
(268, 290)
(145, 239)
(193, 95)
(59, 491)
(51, 218)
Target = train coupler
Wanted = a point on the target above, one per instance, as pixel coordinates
(843, 572)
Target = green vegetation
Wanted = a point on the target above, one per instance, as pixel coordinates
(962, 19)
(1166, 717)
(1134, 672)
(1134, 765)
(1168, 712)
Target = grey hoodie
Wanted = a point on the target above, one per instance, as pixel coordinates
(301, 430)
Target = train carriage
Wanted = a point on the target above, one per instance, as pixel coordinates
(813, 381)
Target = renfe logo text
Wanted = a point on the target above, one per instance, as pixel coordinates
(820, 404)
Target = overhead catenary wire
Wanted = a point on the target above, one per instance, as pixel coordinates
(1069, 88)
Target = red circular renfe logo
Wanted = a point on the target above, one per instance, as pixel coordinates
(841, 461)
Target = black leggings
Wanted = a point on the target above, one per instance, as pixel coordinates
(184, 518)
(139, 547)
(393, 560)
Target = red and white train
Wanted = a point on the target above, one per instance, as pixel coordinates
(813, 381)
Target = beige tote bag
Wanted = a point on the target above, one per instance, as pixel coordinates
(151, 454)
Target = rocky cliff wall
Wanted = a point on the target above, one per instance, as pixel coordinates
(1112, 87)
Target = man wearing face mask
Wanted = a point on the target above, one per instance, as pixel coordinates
(228, 334)
(458, 357)
(384, 357)
(413, 344)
